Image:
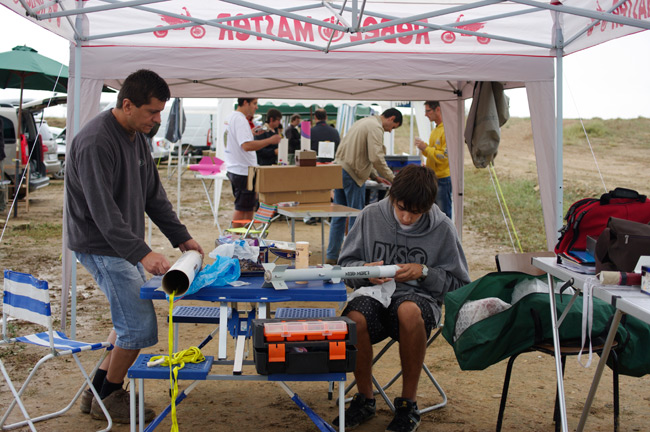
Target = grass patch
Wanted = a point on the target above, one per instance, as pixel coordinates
(483, 214)
(39, 232)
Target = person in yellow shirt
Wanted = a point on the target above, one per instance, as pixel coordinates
(437, 157)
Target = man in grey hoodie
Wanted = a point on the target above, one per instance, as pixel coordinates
(406, 230)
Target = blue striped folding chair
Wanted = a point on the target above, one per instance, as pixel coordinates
(27, 298)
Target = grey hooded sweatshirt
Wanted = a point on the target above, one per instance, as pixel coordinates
(376, 235)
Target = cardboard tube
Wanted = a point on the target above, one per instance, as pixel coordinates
(179, 277)
(619, 278)
(302, 257)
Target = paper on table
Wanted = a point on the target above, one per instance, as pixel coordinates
(326, 149)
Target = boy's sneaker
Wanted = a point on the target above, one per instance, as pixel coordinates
(406, 417)
(360, 410)
(86, 401)
(118, 406)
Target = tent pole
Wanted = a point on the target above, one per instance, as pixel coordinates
(559, 132)
(411, 138)
(179, 160)
(559, 50)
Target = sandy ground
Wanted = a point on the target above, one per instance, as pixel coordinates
(245, 406)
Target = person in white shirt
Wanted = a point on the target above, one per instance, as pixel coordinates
(240, 154)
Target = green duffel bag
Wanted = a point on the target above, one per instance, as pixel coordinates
(517, 328)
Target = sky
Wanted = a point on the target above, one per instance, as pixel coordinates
(607, 81)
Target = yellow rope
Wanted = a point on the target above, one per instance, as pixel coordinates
(178, 360)
(505, 205)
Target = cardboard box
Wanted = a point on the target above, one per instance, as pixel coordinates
(304, 197)
(210, 153)
(267, 179)
(306, 158)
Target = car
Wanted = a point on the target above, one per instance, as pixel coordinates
(11, 144)
(159, 148)
(50, 159)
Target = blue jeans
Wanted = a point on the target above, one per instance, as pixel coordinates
(352, 196)
(134, 319)
(443, 198)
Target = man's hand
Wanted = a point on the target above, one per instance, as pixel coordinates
(383, 180)
(155, 263)
(377, 281)
(420, 144)
(191, 244)
(407, 272)
(274, 139)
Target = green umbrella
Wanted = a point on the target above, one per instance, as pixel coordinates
(24, 68)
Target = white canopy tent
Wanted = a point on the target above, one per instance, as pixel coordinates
(371, 50)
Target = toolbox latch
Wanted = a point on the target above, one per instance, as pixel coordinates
(337, 350)
(276, 353)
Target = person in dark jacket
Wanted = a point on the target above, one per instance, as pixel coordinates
(321, 131)
(293, 135)
(111, 182)
(269, 154)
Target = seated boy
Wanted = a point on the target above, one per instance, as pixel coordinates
(408, 230)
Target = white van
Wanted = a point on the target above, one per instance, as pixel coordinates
(197, 136)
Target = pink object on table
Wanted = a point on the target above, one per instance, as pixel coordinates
(208, 165)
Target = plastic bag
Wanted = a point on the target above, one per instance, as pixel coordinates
(476, 310)
(530, 286)
(238, 248)
(223, 271)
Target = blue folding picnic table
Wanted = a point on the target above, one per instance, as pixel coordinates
(252, 292)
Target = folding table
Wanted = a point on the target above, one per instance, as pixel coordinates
(313, 291)
(322, 211)
(626, 300)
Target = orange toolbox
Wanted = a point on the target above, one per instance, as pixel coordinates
(303, 346)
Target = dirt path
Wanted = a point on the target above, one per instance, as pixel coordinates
(229, 406)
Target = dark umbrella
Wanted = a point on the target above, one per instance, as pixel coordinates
(175, 127)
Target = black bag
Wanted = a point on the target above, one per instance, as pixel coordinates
(621, 244)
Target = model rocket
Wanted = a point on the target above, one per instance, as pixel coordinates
(278, 275)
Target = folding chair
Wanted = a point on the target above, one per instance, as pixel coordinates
(28, 298)
(259, 225)
(522, 262)
(381, 390)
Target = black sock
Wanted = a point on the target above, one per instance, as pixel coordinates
(109, 387)
(98, 379)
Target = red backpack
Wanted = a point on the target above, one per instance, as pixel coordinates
(589, 216)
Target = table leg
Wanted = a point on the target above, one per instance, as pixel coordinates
(218, 184)
(239, 354)
(322, 239)
(599, 369)
(342, 406)
(293, 229)
(132, 404)
(558, 358)
(141, 404)
(223, 330)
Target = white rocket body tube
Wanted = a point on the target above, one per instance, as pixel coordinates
(179, 277)
(279, 275)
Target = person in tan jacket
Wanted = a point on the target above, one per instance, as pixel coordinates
(361, 154)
